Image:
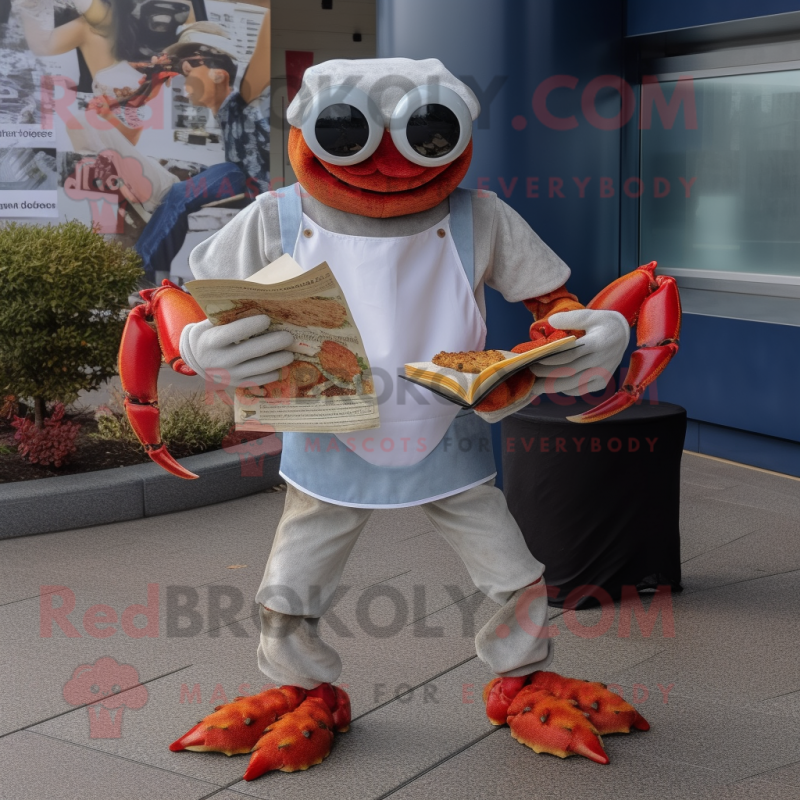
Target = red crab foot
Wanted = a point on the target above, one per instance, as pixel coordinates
(560, 716)
(288, 728)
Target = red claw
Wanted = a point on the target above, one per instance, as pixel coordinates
(660, 317)
(655, 303)
(645, 366)
(170, 309)
(626, 294)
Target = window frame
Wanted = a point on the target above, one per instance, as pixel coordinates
(734, 295)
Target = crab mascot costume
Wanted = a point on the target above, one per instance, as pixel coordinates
(379, 148)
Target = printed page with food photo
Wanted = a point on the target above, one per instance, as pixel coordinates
(329, 386)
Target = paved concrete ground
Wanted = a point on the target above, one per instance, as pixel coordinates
(728, 727)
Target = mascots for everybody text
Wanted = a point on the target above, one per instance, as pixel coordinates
(379, 148)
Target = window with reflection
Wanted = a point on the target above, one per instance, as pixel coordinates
(741, 169)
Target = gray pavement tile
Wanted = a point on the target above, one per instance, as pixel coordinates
(397, 524)
(691, 490)
(410, 600)
(378, 556)
(786, 704)
(601, 658)
(747, 495)
(695, 470)
(723, 634)
(711, 571)
(733, 644)
(226, 794)
(498, 766)
(29, 562)
(377, 668)
(590, 644)
(724, 471)
(192, 547)
(707, 523)
(410, 655)
(34, 668)
(772, 549)
(691, 730)
(788, 775)
(751, 789)
(40, 666)
(33, 767)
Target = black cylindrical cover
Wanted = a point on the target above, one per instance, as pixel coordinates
(598, 503)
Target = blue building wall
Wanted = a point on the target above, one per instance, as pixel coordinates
(652, 16)
(506, 49)
(728, 373)
(516, 45)
(737, 379)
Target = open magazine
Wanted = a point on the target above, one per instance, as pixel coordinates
(467, 389)
(329, 386)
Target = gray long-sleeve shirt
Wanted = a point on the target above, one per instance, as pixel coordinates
(509, 256)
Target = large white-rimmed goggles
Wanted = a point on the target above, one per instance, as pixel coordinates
(431, 125)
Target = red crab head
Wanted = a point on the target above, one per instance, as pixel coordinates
(381, 137)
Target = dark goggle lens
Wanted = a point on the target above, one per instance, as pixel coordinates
(341, 130)
(433, 130)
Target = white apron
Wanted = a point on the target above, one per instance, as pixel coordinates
(410, 298)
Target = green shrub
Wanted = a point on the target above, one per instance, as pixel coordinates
(64, 292)
(188, 423)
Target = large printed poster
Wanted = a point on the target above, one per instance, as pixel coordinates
(147, 118)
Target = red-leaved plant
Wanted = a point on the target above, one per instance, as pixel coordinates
(53, 443)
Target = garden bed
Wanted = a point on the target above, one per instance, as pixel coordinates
(92, 454)
(106, 441)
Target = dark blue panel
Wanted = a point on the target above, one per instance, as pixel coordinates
(652, 16)
(521, 44)
(516, 45)
(766, 452)
(738, 374)
(692, 441)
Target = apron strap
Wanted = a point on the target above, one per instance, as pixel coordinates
(461, 226)
(290, 216)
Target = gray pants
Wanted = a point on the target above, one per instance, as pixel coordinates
(313, 542)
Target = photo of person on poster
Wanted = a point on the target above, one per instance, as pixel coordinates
(107, 35)
(136, 160)
(204, 55)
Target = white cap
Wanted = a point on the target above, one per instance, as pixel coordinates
(385, 80)
(203, 33)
